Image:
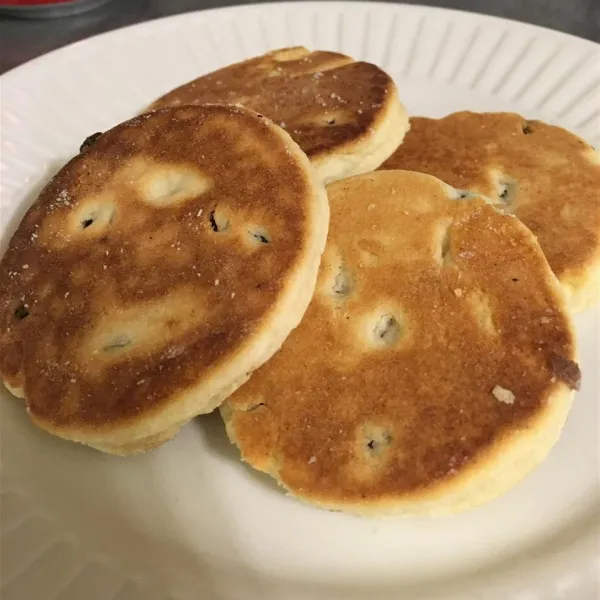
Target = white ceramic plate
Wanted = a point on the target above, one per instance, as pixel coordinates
(189, 521)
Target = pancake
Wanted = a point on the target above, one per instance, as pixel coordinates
(344, 114)
(544, 175)
(434, 367)
(156, 271)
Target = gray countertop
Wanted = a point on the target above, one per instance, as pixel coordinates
(24, 39)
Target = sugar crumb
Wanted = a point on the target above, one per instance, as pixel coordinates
(312, 460)
(173, 351)
(63, 198)
(458, 292)
(503, 395)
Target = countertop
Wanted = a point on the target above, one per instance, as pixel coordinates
(24, 39)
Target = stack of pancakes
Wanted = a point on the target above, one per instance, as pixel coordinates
(382, 315)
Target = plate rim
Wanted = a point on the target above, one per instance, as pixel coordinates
(163, 21)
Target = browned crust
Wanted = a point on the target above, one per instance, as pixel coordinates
(326, 101)
(557, 181)
(61, 283)
(478, 308)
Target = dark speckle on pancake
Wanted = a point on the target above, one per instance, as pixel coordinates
(566, 370)
(89, 141)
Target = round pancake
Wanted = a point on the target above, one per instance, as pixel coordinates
(433, 368)
(156, 271)
(344, 114)
(544, 175)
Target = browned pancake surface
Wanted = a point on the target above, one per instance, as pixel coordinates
(425, 304)
(148, 261)
(546, 176)
(325, 100)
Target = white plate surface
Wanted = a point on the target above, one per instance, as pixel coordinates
(189, 521)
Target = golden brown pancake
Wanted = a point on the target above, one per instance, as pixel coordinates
(546, 176)
(156, 271)
(344, 114)
(434, 367)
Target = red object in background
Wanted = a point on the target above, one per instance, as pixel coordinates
(46, 8)
(31, 2)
